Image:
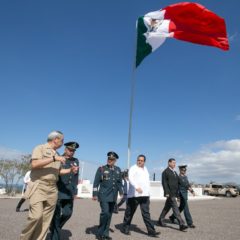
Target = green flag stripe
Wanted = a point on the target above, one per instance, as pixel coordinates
(143, 48)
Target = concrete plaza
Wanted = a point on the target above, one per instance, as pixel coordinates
(216, 219)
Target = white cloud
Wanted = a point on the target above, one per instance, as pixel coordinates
(233, 37)
(218, 161)
(238, 117)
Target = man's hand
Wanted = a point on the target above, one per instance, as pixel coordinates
(167, 195)
(60, 159)
(192, 192)
(94, 198)
(139, 190)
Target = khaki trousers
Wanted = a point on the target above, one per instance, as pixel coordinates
(40, 213)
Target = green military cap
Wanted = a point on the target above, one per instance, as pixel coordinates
(72, 145)
(112, 155)
(183, 167)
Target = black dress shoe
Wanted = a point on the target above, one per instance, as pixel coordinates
(183, 228)
(17, 209)
(161, 224)
(191, 226)
(172, 218)
(107, 238)
(153, 234)
(99, 237)
(125, 231)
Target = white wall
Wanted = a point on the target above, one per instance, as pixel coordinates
(156, 190)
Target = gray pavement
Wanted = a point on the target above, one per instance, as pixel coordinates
(215, 219)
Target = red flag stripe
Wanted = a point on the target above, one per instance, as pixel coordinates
(194, 23)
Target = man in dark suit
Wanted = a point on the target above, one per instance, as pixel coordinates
(170, 182)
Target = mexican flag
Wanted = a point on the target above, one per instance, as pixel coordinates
(185, 21)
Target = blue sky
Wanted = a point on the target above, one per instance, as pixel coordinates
(67, 65)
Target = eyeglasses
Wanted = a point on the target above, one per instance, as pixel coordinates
(140, 160)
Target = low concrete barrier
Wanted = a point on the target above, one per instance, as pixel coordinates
(156, 190)
(85, 189)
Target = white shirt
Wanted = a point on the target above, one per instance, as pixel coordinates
(138, 178)
(27, 178)
(173, 171)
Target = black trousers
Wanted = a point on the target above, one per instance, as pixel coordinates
(123, 200)
(184, 207)
(105, 218)
(62, 214)
(20, 203)
(132, 204)
(22, 200)
(171, 202)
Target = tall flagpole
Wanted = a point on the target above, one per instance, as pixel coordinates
(133, 83)
(130, 117)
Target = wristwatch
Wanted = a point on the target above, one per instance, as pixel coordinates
(54, 159)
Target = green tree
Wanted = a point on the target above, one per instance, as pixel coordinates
(12, 170)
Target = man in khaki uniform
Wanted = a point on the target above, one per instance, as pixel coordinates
(42, 190)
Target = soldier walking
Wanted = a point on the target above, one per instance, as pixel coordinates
(67, 190)
(184, 187)
(107, 184)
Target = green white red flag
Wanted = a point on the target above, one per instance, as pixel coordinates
(185, 21)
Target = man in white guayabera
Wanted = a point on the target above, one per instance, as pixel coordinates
(138, 194)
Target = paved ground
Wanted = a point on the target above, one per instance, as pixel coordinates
(215, 219)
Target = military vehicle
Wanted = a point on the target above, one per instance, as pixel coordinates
(214, 189)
